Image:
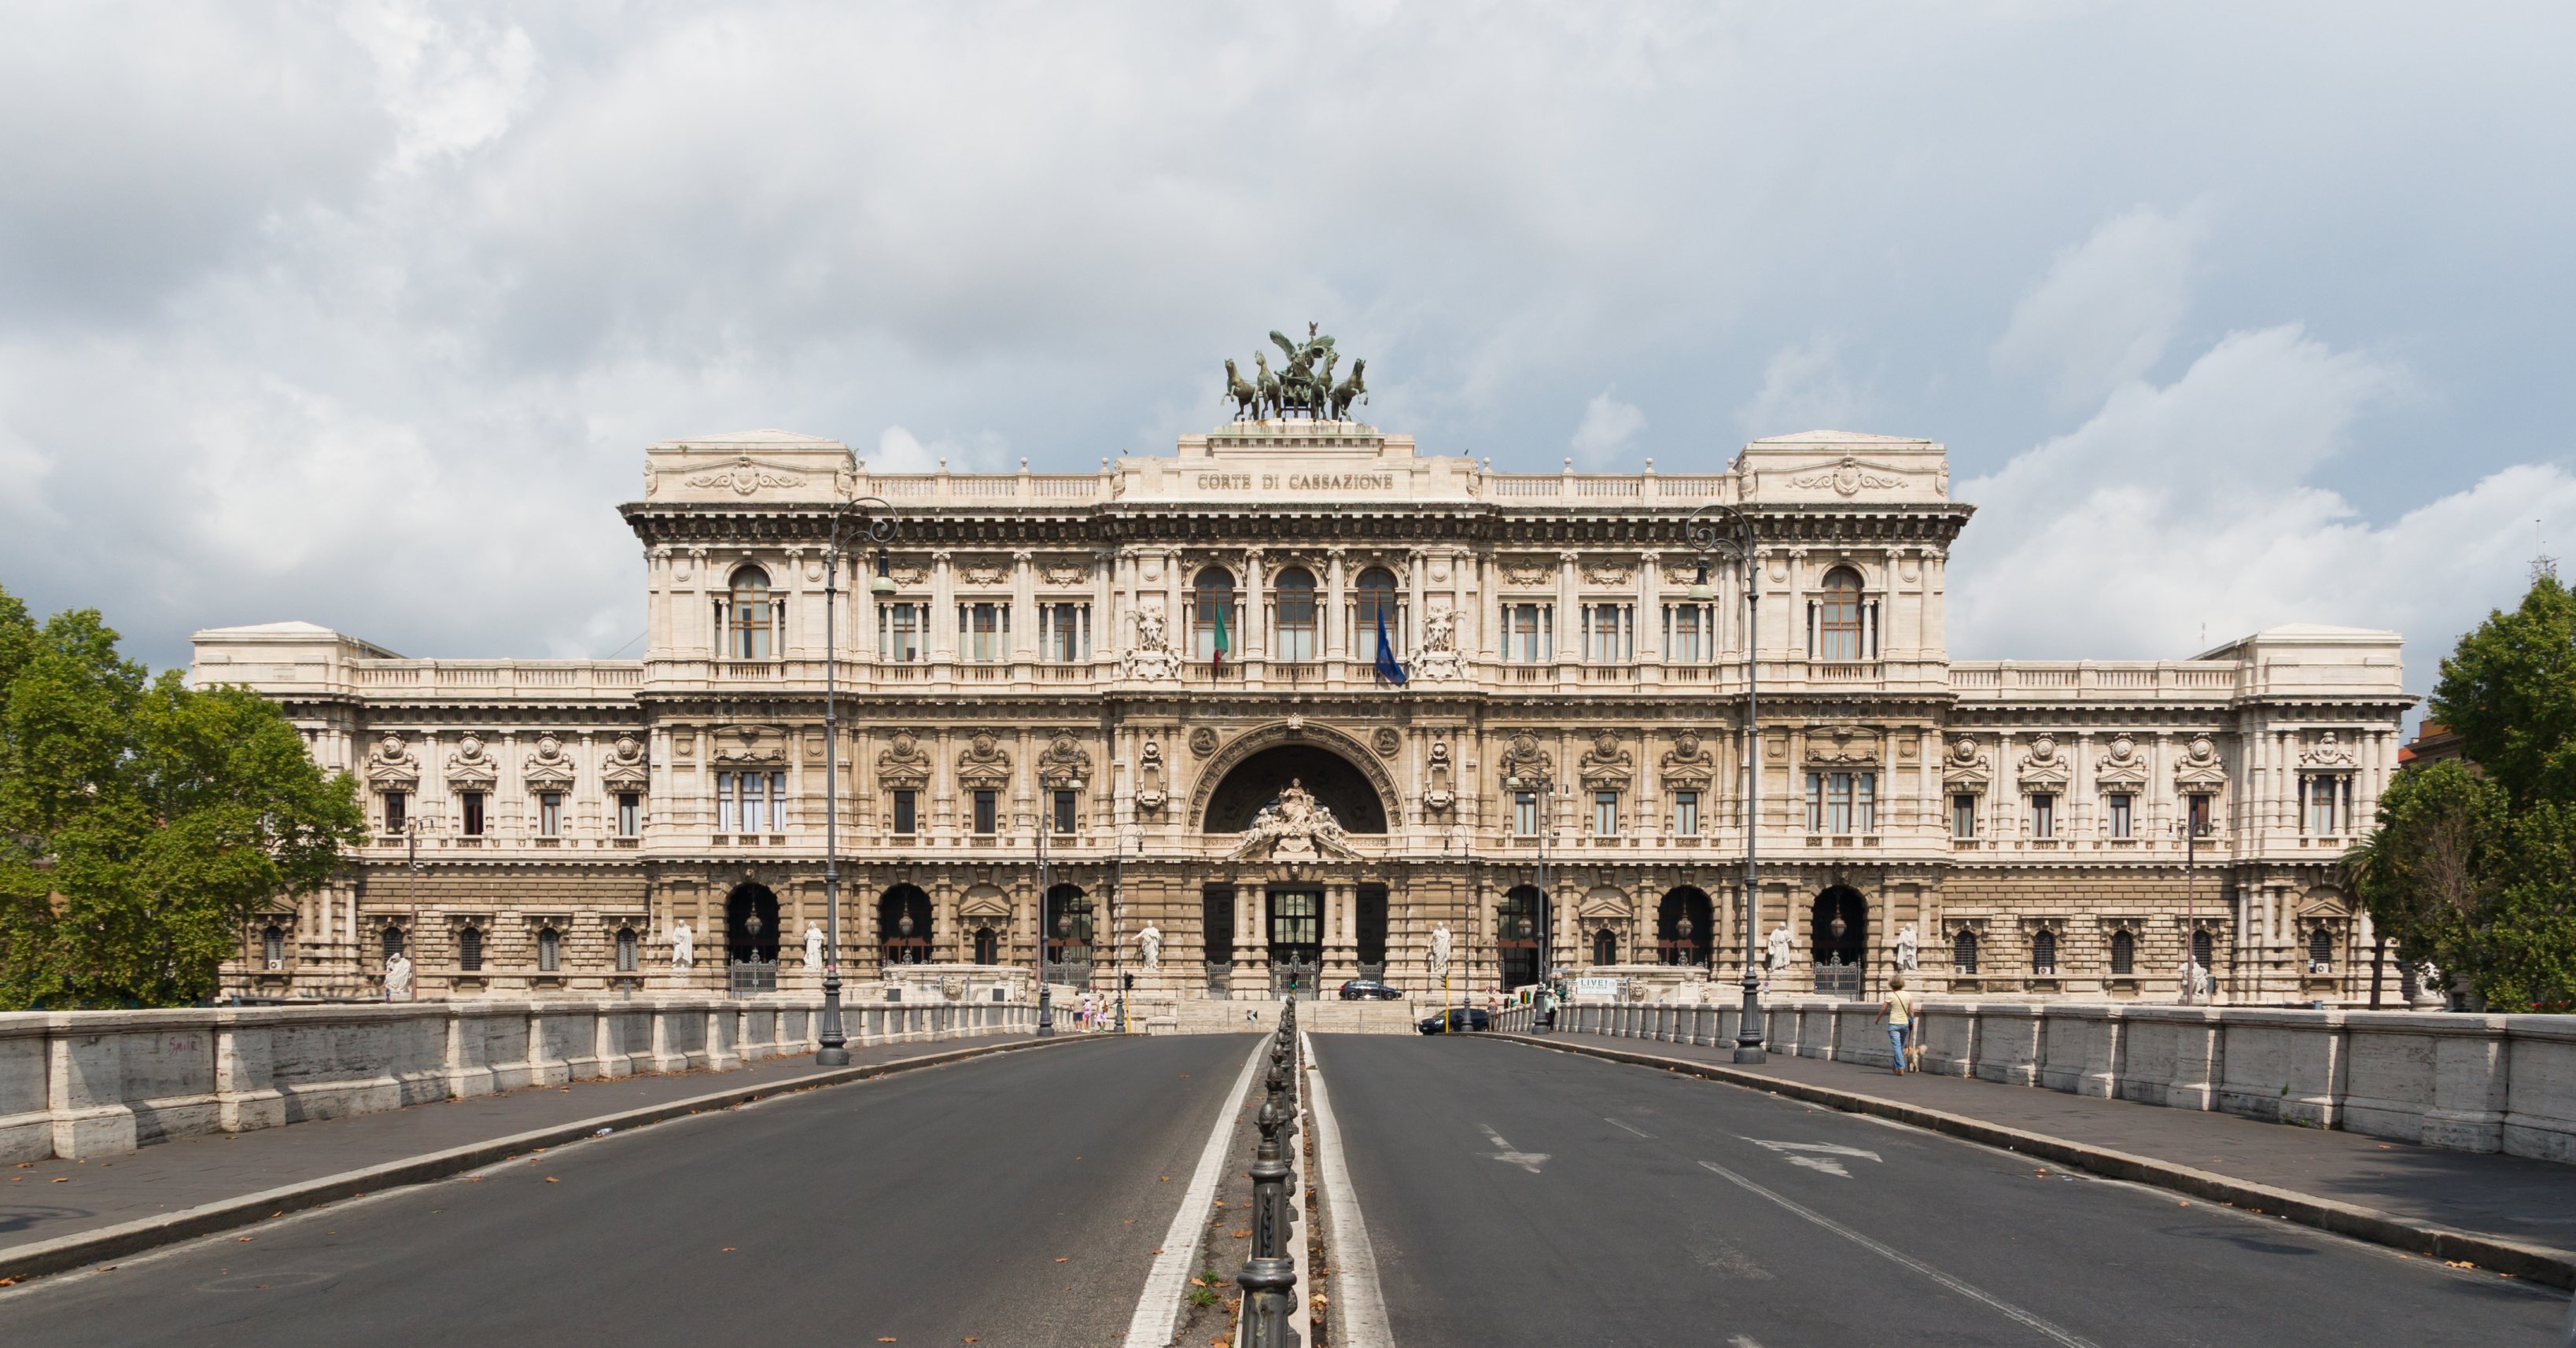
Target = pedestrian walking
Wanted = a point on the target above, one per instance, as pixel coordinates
(1898, 1012)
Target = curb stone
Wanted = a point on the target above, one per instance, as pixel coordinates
(37, 1258)
(2539, 1263)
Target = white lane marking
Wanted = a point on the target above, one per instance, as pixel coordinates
(1830, 1149)
(1526, 1160)
(1616, 1123)
(1893, 1256)
(1158, 1307)
(1359, 1303)
(1742, 1341)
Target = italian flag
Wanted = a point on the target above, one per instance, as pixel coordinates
(1216, 660)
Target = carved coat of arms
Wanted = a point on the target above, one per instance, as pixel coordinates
(1294, 826)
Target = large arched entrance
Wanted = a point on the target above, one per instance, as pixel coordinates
(1068, 935)
(1684, 927)
(1520, 935)
(1840, 938)
(903, 925)
(1327, 776)
(751, 939)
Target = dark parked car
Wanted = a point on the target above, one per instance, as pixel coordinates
(1370, 989)
(1454, 1020)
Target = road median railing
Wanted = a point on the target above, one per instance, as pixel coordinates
(1272, 1309)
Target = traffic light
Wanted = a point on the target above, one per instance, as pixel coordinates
(1130, 984)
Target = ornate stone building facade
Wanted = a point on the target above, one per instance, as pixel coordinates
(1150, 697)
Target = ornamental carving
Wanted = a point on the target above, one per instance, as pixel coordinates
(746, 477)
(1529, 573)
(472, 765)
(1294, 826)
(909, 577)
(2328, 754)
(983, 573)
(1063, 762)
(1607, 573)
(1967, 766)
(904, 765)
(1438, 658)
(985, 765)
(1067, 575)
(1847, 478)
(2200, 768)
(626, 768)
(392, 762)
(2043, 767)
(1523, 758)
(749, 744)
(1607, 766)
(1688, 766)
(1202, 741)
(1386, 742)
(1438, 797)
(2122, 769)
(1149, 777)
(1152, 657)
(1842, 747)
(548, 765)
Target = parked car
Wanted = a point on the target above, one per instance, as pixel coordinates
(1455, 1020)
(1359, 989)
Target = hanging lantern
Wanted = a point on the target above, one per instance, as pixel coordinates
(903, 924)
(1836, 926)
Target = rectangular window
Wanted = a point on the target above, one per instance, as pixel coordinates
(473, 814)
(2325, 797)
(987, 631)
(1690, 634)
(630, 814)
(1842, 802)
(550, 814)
(728, 805)
(1064, 632)
(2043, 816)
(2122, 822)
(1529, 633)
(627, 954)
(1865, 802)
(1609, 633)
(984, 816)
(397, 810)
(903, 632)
(907, 811)
(2196, 812)
(1605, 814)
(1686, 813)
(1063, 811)
(549, 950)
(1963, 815)
(469, 949)
(1525, 814)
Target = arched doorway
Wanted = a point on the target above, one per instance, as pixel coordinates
(1327, 776)
(1520, 935)
(988, 946)
(1685, 928)
(751, 925)
(1605, 946)
(903, 925)
(1068, 935)
(1840, 939)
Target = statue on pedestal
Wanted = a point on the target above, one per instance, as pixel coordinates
(1150, 941)
(813, 945)
(398, 977)
(1440, 943)
(1779, 944)
(1908, 947)
(684, 947)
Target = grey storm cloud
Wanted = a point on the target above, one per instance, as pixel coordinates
(2230, 315)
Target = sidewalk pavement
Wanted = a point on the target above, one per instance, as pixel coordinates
(2508, 1200)
(45, 1200)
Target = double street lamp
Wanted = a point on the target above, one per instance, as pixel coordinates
(1543, 787)
(1064, 921)
(1709, 535)
(880, 527)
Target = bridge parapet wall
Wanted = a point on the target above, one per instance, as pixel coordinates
(77, 1084)
(2464, 1082)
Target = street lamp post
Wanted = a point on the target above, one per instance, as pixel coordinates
(1543, 786)
(1046, 825)
(2190, 906)
(832, 1045)
(1707, 536)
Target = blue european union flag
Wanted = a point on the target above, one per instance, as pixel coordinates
(1387, 668)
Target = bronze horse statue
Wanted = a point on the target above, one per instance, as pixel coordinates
(1247, 399)
(1267, 386)
(1353, 389)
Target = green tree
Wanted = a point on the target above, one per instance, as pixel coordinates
(142, 822)
(2509, 690)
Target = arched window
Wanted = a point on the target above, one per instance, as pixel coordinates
(1963, 952)
(1838, 616)
(1213, 619)
(988, 946)
(1376, 606)
(1605, 946)
(469, 948)
(2124, 952)
(627, 952)
(2043, 951)
(272, 946)
(754, 614)
(1300, 625)
(549, 950)
(903, 925)
(2200, 948)
(393, 942)
(1068, 925)
(2320, 949)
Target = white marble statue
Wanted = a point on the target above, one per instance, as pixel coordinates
(1440, 941)
(1779, 943)
(684, 946)
(1150, 941)
(1908, 948)
(398, 977)
(813, 945)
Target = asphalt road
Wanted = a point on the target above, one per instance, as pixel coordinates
(1005, 1201)
(1520, 1196)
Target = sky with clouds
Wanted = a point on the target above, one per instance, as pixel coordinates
(2230, 314)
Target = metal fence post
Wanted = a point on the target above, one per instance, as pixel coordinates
(1269, 1276)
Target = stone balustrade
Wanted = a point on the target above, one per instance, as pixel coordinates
(2468, 1083)
(78, 1084)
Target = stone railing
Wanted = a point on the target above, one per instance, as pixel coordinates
(2469, 1083)
(77, 1084)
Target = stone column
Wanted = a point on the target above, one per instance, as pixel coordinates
(1337, 615)
(1024, 602)
(1341, 934)
(942, 637)
(1252, 637)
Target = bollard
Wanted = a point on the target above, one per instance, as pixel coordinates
(1269, 1276)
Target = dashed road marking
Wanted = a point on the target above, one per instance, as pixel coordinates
(1790, 1153)
(1526, 1160)
(1621, 1123)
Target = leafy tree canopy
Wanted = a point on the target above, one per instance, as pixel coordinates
(142, 822)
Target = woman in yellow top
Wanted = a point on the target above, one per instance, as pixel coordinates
(1898, 1012)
